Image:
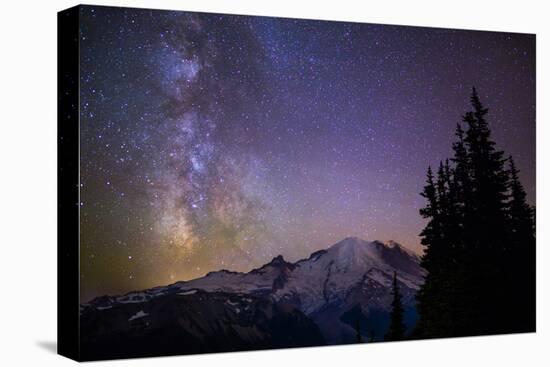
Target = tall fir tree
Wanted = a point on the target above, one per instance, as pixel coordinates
(486, 231)
(431, 239)
(397, 324)
(358, 336)
(522, 254)
(434, 298)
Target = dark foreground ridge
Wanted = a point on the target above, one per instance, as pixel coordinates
(194, 322)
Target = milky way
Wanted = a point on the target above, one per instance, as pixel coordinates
(214, 141)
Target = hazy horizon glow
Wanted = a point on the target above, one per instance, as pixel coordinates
(213, 141)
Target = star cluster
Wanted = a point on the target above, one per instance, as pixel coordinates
(214, 141)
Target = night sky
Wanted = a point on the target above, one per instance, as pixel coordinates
(213, 141)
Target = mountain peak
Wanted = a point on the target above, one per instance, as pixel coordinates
(395, 245)
(358, 243)
(277, 262)
(279, 259)
(392, 244)
(355, 246)
(355, 254)
(351, 239)
(350, 242)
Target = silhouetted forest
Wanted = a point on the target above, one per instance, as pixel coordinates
(479, 240)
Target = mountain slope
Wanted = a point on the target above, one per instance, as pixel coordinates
(193, 322)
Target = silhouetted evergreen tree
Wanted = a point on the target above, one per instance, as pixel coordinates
(522, 254)
(480, 229)
(431, 238)
(397, 324)
(487, 234)
(433, 297)
(521, 218)
(358, 336)
(461, 263)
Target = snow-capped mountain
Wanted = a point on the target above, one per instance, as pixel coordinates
(348, 283)
(326, 276)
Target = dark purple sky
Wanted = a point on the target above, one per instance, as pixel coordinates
(214, 141)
